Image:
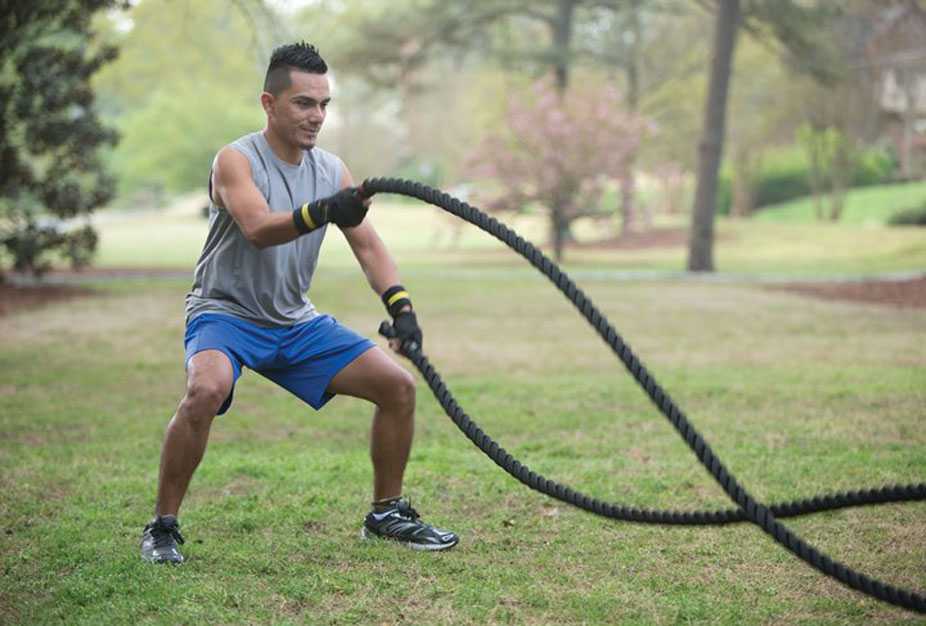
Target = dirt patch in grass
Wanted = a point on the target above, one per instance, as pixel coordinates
(18, 293)
(652, 238)
(16, 298)
(909, 293)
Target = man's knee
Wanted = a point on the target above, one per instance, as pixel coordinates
(401, 390)
(203, 400)
(209, 381)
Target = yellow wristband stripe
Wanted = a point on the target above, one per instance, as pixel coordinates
(308, 218)
(396, 297)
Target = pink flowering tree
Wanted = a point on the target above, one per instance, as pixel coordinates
(558, 152)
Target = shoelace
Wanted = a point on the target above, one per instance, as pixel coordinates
(163, 534)
(405, 510)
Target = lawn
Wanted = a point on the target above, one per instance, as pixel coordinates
(797, 397)
(422, 237)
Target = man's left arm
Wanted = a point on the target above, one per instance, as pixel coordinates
(383, 276)
(369, 249)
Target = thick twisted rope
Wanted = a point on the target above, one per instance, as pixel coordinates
(764, 516)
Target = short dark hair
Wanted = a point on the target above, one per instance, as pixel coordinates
(300, 56)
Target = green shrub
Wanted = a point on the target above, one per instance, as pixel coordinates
(909, 217)
(874, 167)
(785, 175)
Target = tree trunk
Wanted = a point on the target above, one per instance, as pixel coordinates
(741, 202)
(559, 231)
(841, 176)
(745, 167)
(628, 180)
(562, 43)
(908, 82)
(710, 149)
(816, 147)
(628, 206)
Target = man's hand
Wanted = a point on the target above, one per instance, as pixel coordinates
(404, 334)
(408, 337)
(346, 208)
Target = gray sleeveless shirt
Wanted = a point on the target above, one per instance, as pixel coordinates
(267, 287)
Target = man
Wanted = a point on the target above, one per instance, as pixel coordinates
(272, 194)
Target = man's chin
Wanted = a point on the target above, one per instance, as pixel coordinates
(306, 141)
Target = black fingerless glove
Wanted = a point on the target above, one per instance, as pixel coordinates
(404, 322)
(407, 331)
(345, 208)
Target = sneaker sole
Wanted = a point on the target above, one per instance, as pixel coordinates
(162, 561)
(155, 560)
(366, 535)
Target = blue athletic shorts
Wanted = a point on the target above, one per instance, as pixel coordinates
(302, 358)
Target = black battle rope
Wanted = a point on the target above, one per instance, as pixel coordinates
(749, 509)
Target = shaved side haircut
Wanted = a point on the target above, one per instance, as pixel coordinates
(300, 56)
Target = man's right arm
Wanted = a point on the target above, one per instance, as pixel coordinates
(234, 189)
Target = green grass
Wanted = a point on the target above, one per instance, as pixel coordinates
(797, 397)
(865, 206)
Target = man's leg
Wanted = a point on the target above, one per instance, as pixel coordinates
(209, 381)
(375, 377)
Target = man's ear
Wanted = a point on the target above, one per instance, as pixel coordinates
(266, 101)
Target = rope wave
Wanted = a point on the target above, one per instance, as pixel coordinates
(748, 508)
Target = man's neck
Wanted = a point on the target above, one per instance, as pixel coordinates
(283, 151)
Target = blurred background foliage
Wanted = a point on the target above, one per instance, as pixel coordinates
(823, 96)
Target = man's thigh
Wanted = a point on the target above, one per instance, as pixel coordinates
(373, 376)
(217, 346)
(212, 369)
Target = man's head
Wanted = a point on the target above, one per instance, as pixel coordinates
(296, 94)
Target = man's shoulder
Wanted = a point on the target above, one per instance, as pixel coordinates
(246, 143)
(246, 146)
(330, 164)
(325, 157)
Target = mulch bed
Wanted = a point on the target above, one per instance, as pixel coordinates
(17, 298)
(909, 293)
(651, 238)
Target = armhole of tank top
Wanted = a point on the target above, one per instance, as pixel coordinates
(260, 157)
(339, 173)
(263, 164)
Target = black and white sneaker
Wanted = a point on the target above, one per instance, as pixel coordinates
(159, 541)
(401, 523)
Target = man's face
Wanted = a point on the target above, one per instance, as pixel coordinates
(296, 114)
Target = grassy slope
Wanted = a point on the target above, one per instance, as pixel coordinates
(866, 206)
(797, 396)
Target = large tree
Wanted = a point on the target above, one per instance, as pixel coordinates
(50, 135)
(790, 24)
(710, 149)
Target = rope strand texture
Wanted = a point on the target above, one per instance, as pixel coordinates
(749, 509)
